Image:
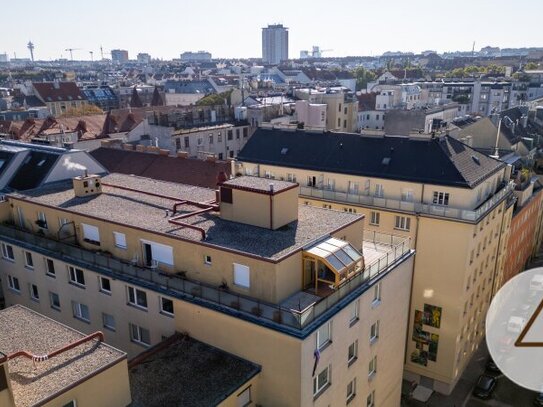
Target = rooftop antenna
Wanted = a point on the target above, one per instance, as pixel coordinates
(30, 46)
(473, 50)
(496, 154)
(102, 52)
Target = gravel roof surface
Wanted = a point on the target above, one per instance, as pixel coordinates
(148, 212)
(24, 329)
(260, 184)
(188, 373)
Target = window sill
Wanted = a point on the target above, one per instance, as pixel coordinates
(142, 344)
(326, 345)
(29, 268)
(111, 329)
(137, 306)
(50, 275)
(374, 340)
(105, 292)
(37, 300)
(167, 314)
(13, 290)
(8, 259)
(372, 375)
(351, 398)
(354, 322)
(121, 247)
(321, 391)
(78, 285)
(375, 303)
(82, 320)
(94, 242)
(55, 308)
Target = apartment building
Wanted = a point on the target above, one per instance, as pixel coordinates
(45, 363)
(341, 106)
(59, 97)
(298, 290)
(452, 202)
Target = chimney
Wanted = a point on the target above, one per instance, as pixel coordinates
(87, 185)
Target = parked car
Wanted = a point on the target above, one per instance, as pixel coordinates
(484, 387)
(538, 401)
(491, 366)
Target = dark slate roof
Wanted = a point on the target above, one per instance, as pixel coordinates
(185, 372)
(30, 101)
(440, 161)
(182, 170)
(34, 169)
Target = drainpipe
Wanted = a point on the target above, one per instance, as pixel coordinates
(271, 206)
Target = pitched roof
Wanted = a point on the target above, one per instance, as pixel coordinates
(440, 161)
(58, 91)
(182, 170)
(157, 99)
(135, 100)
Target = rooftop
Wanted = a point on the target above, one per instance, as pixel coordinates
(439, 161)
(185, 372)
(124, 201)
(260, 184)
(22, 329)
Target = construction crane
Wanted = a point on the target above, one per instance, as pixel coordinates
(71, 52)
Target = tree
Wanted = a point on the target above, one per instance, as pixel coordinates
(530, 66)
(215, 99)
(363, 76)
(82, 110)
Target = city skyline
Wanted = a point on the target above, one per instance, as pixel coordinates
(422, 27)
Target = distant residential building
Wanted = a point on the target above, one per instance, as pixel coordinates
(274, 44)
(59, 96)
(119, 56)
(312, 115)
(199, 56)
(143, 58)
(422, 121)
(184, 93)
(102, 96)
(45, 363)
(4, 58)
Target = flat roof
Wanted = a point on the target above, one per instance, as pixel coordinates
(185, 372)
(260, 184)
(22, 329)
(139, 210)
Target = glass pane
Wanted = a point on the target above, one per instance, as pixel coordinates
(352, 253)
(334, 262)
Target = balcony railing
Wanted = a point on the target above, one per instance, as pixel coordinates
(223, 300)
(410, 206)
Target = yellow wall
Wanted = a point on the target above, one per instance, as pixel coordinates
(232, 400)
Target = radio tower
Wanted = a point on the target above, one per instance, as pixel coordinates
(30, 46)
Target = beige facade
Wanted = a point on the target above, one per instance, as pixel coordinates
(460, 245)
(100, 278)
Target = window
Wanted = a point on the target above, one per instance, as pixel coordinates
(42, 220)
(7, 252)
(324, 335)
(62, 222)
(269, 174)
(108, 321)
(230, 134)
(80, 311)
(207, 259)
(54, 300)
(374, 332)
(402, 223)
(70, 404)
(187, 142)
(242, 275)
(177, 144)
(375, 218)
(137, 297)
(339, 122)
(244, 398)
(13, 283)
(219, 137)
(91, 234)
(370, 401)
(166, 306)
(49, 267)
(355, 309)
(372, 366)
(441, 198)
(407, 195)
(352, 352)
(120, 240)
(291, 177)
(139, 335)
(321, 380)
(105, 284)
(351, 390)
(379, 191)
(34, 293)
(76, 276)
(29, 262)
(377, 293)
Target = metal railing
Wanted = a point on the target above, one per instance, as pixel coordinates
(410, 206)
(225, 300)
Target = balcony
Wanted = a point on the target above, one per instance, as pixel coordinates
(409, 206)
(381, 252)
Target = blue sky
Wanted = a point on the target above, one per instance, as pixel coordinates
(164, 29)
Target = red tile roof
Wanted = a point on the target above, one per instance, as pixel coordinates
(58, 91)
(182, 170)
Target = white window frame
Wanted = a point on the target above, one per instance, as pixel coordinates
(101, 279)
(7, 252)
(136, 334)
(317, 386)
(324, 335)
(379, 191)
(352, 356)
(91, 233)
(34, 295)
(77, 309)
(375, 218)
(374, 332)
(242, 275)
(243, 400)
(74, 277)
(51, 302)
(106, 324)
(407, 195)
(441, 198)
(372, 367)
(208, 260)
(161, 305)
(355, 311)
(133, 291)
(14, 284)
(351, 390)
(29, 260)
(120, 240)
(43, 219)
(48, 269)
(370, 400)
(402, 223)
(376, 293)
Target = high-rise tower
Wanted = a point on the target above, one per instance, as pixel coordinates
(274, 44)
